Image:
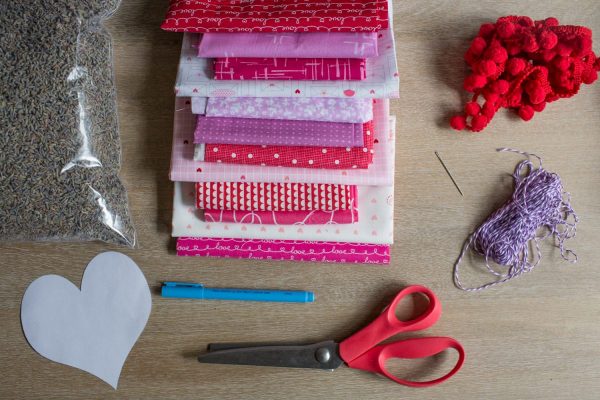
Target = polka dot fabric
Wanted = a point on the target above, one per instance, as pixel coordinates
(274, 196)
(296, 156)
(252, 131)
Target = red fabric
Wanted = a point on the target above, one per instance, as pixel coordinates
(265, 196)
(276, 16)
(523, 64)
(296, 156)
(307, 69)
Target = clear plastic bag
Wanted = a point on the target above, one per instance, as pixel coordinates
(59, 136)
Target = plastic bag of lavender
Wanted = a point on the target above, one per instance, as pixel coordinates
(59, 133)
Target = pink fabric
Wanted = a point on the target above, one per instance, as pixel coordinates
(289, 44)
(283, 217)
(294, 250)
(277, 132)
(302, 69)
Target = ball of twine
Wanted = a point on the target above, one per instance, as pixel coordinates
(539, 208)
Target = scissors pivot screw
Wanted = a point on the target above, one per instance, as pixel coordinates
(323, 355)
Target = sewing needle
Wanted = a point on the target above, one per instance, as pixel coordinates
(449, 174)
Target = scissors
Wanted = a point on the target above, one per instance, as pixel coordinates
(361, 351)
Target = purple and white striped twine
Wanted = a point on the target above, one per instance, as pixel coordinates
(538, 204)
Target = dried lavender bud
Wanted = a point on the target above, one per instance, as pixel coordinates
(59, 137)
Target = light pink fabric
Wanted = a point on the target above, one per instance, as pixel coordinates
(283, 217)
(294, 250)
(290, 108)
(289, 44)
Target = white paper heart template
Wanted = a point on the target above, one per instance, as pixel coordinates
(94, 328)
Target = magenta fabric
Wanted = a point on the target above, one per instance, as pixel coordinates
(289, 45)
(283, 217)
(294, 250)
(277, 132)
(302, 69)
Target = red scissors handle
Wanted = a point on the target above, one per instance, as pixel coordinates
(387, 325)
(374, 359)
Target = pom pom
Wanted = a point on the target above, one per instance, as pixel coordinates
(526, 112)
(505, 29)
(472, 108)
(486, 68)
(548, 40)
(530, 45)
(525, 22)
(562, 63)
(486, 30)
(498, 54)
(536, 94)
(478, 45)
(488, 110)
(564, 49)
(478, 123)
(515, 66)
(539, 107)
(491, 96)
(513, 48)
(515, 98)
(551, 22)
(548, 55)
(501, 86)
(474, 81)
(470, 58)
(583, 45)
(458, 122)
(589, 76)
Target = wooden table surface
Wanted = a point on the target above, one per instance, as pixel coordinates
(537, 337)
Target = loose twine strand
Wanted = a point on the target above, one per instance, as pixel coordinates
(539, 208)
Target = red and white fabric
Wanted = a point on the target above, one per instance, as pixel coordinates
(263, 196)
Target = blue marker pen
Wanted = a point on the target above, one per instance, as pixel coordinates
(181, 290)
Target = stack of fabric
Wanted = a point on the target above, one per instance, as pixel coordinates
(283, 146)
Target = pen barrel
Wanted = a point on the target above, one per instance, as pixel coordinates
(182, 292)
(258, 295)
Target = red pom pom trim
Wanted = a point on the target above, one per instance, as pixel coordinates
(523, 64)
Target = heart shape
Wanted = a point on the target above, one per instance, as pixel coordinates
(92, 329)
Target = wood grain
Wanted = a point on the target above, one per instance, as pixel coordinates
(535, 338)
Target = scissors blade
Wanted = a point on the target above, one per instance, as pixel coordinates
(212, 347)
(323, 355)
